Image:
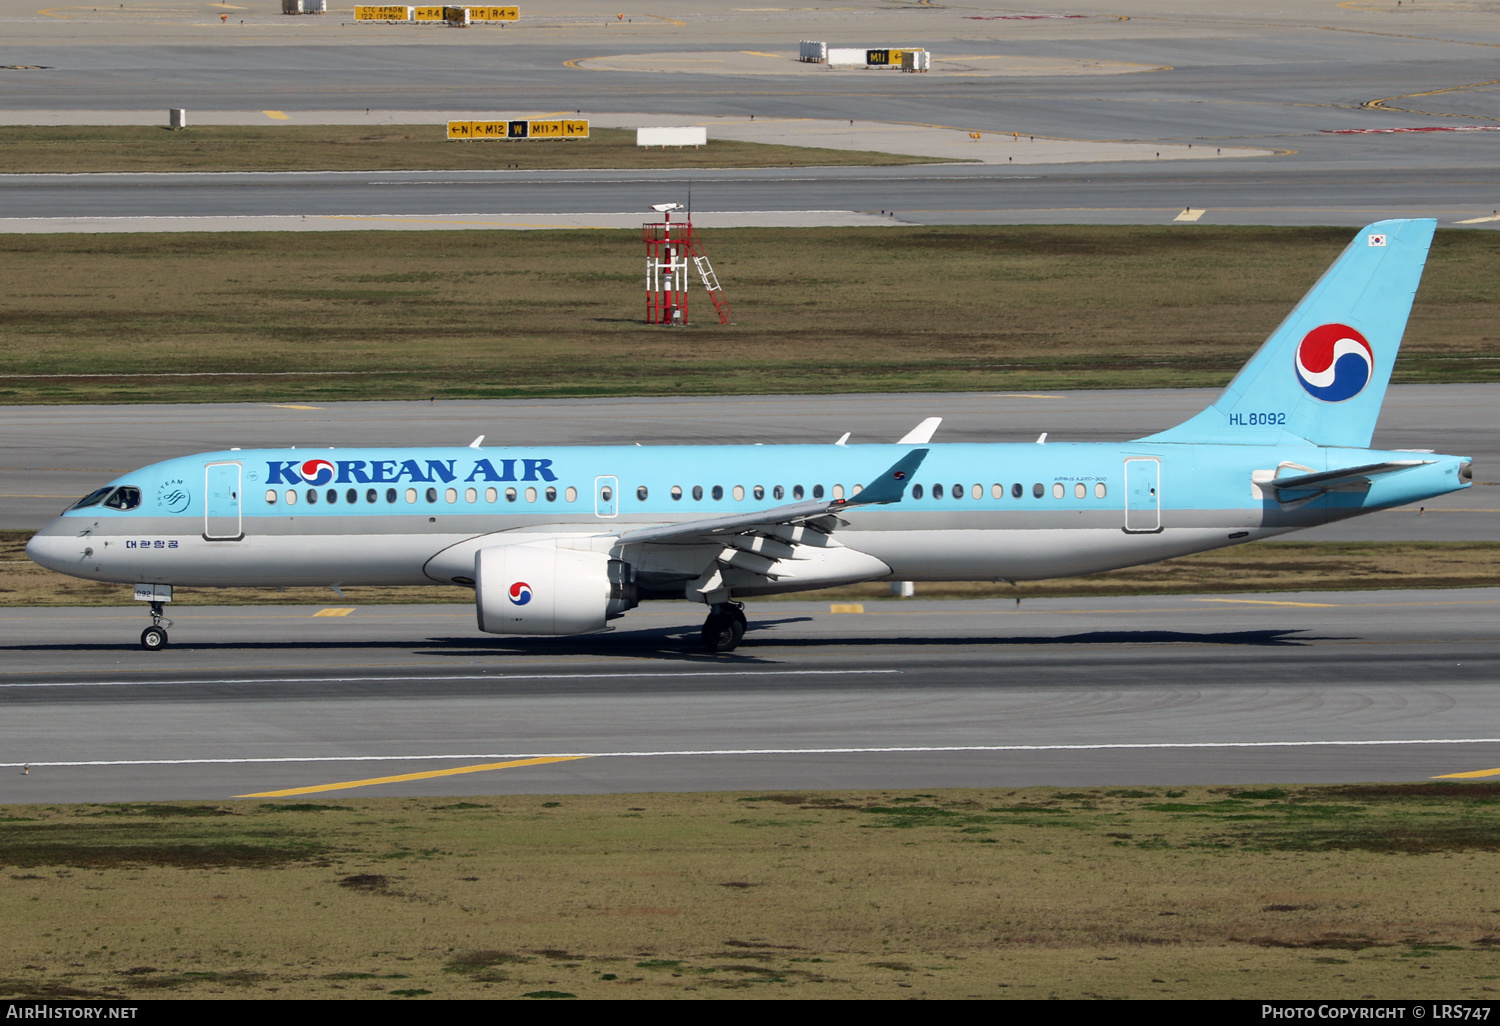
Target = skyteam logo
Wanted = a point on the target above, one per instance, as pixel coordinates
(520, 593)
(1334, 363)
(317, 472)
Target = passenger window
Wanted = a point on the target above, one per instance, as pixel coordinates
(91, 499)
(1037, 490)
(978, 491)
(778, 492)
(351, 496)
(606, 493)
(551, 494)
(312, 496)
(1080, 491)
(759, 492)
(739, 493)
(471, 494)
(124, 498)
(411, 495)
(291, 497)
(510, 495)
(937, 491)
(916, 491)
(432, 495)
(997, 491)
(838, 491)
(1015, 490)
(958, 492)
(797, 491)
(718, 492)
(372, 496)
(571, 494)
(531, 494)
(1057, 490)
(450, 494)
(490, 495)
(676, 493)
(856, 489)
(271, 497)
(333, 496)
(641, 493)
(1099, 490)
(817, 491)
(697, 493)
(390, 495)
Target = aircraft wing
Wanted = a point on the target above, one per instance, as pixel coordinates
(889, 486)
(1326, 479)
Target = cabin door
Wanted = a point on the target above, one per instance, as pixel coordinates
(606, 496)
(1142, 496)
(221, 502)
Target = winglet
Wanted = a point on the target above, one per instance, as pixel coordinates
(890, 485)
(922, 433)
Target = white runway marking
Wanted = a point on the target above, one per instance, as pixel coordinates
(907, 750)
(447, 677)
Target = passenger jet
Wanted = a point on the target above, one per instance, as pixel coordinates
(560, 540)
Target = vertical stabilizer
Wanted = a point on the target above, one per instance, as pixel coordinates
(1322, 374)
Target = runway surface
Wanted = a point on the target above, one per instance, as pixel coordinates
(51, 455)
(1231, 689)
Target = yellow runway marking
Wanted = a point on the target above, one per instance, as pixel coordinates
(757, 53)
(428, 775)
(846, 607)
(1470, 774)
(275, 115)
(1270, 602)
(333, 612)
(1479, 220)
(292, 406)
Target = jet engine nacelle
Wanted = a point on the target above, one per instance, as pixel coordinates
(543, 589)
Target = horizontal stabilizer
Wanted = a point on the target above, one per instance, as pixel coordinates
(1330, 478)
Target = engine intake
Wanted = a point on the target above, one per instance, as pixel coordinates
(539, 588)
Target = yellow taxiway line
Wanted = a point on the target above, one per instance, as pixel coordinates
(1469, 775)
(427, 775)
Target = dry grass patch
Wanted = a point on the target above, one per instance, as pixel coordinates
(361, 315)
(30, 149)
(1383, 890)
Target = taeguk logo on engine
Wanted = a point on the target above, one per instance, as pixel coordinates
(520, 593)
(317, 472)
(1334, 363)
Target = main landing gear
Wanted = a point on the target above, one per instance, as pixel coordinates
(724, 627)
(154, 638)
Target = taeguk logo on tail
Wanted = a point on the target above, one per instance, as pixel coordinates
(1334, 363)
(317, 472)
(520, 593)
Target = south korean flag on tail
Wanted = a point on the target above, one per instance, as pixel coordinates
(1376, 240)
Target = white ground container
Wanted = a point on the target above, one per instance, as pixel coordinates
(671, 136)
(811, 52)
(846, 55)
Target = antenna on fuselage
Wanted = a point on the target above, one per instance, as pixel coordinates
(1041, 439)
(477, 442)
(844, 439)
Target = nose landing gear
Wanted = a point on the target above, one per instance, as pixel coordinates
(154, 638)
(724, 627)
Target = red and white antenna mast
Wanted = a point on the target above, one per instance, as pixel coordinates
(668, 247)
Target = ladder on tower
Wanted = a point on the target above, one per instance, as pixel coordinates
(710, 281)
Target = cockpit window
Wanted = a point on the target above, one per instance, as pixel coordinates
(92, 498)
(125, 497)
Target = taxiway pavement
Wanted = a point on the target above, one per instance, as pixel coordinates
(1163, 690)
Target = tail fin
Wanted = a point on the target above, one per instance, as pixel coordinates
(1322, 374)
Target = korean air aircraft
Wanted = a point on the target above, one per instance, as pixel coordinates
(562, 540)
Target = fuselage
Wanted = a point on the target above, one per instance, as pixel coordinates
(401, 516)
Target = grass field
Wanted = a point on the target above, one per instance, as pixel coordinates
(1291, 892)
(362, 315)
(1263, 566)
(99, 148)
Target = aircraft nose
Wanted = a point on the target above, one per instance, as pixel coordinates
(58, 549)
